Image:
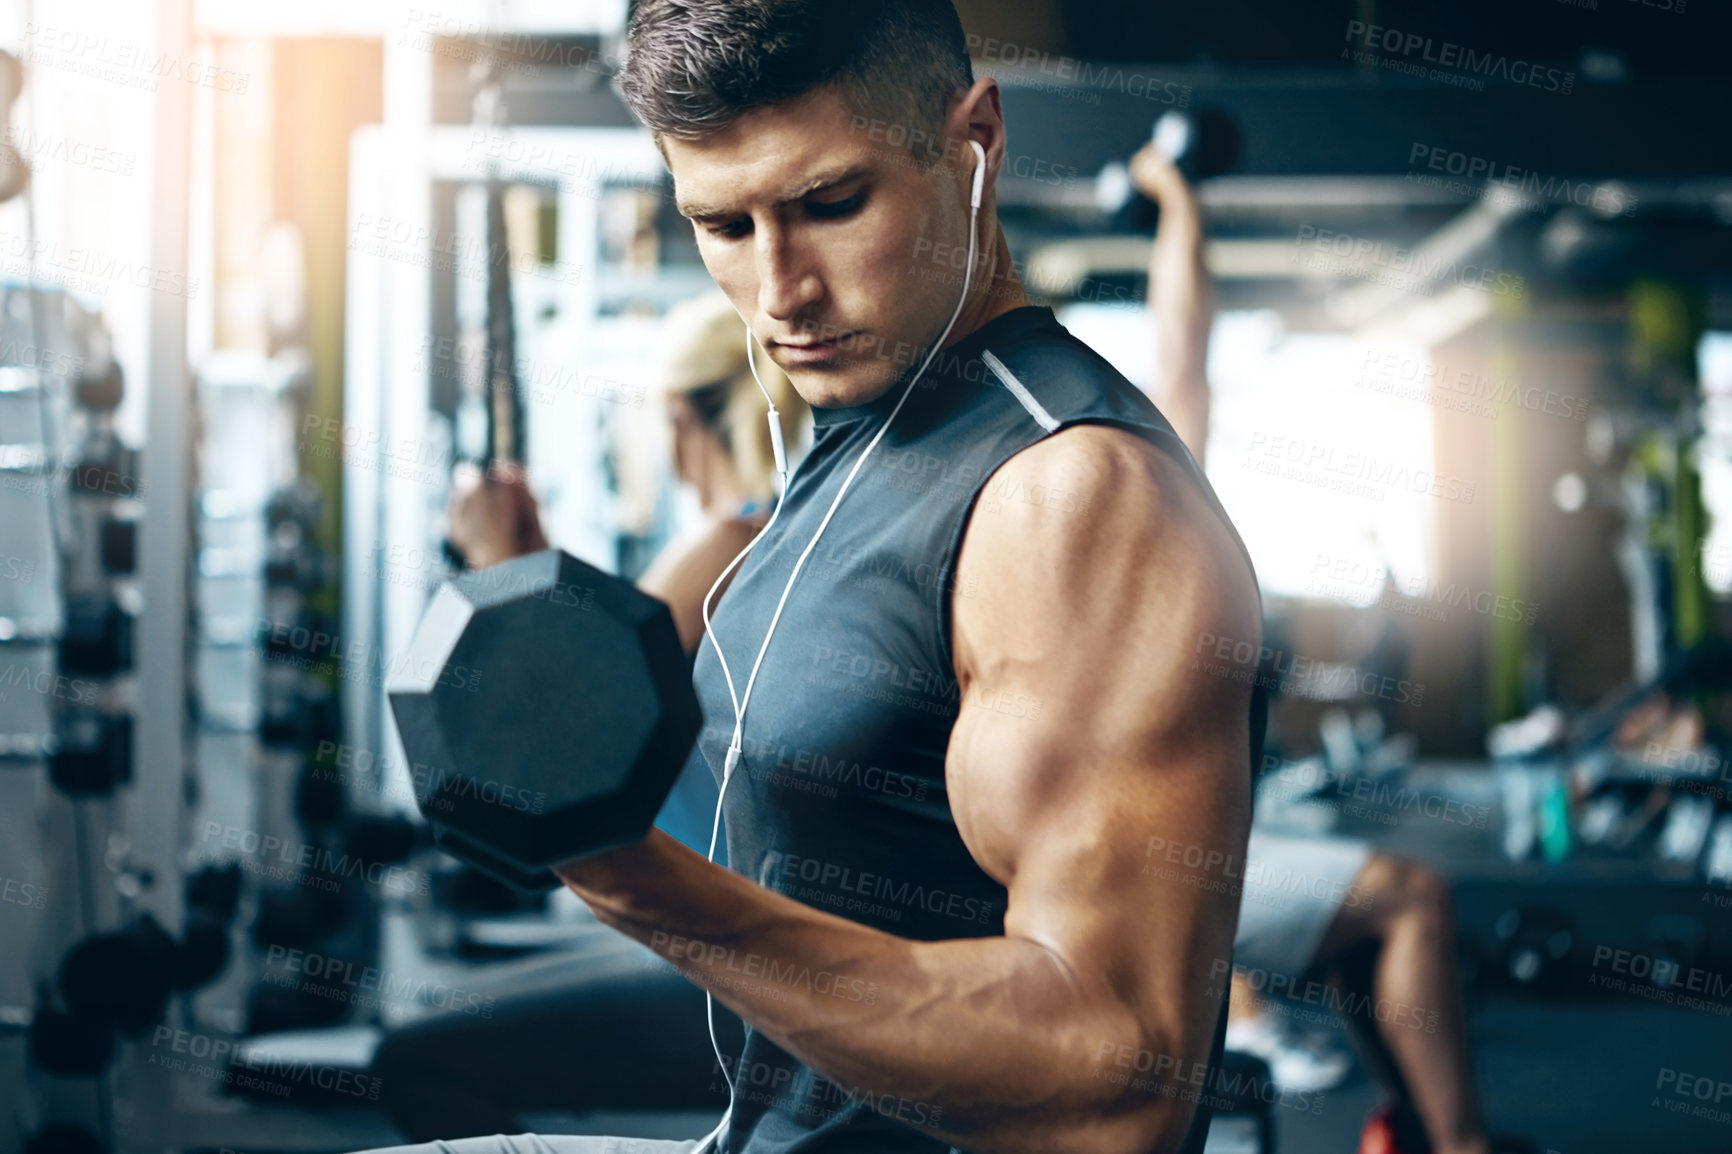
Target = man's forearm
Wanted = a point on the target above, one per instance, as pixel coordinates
(993, 1042)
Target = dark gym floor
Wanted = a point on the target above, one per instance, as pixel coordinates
(1572, 1078)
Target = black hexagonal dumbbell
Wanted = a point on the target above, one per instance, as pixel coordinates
(546, 708)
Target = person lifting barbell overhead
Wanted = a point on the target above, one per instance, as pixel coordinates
(1181, 292)
(953, 943)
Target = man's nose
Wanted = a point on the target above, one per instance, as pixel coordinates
(787, 281)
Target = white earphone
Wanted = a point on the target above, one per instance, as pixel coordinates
(732, 759)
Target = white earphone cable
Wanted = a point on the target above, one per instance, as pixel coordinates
(732, 759)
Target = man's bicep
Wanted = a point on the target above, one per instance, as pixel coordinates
(1135, 748)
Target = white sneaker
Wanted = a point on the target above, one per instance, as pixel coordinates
(1294, 1066)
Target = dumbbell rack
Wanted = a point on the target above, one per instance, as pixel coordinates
(69, 501)
(246, 454)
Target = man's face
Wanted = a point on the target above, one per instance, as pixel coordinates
(811, 230)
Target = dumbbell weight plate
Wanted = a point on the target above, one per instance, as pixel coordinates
(64, 1138)
(69, 1046)
(495, 866)
(1201, 143)
(122, 978)
(548, 708)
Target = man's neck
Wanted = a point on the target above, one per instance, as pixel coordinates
(998, 291)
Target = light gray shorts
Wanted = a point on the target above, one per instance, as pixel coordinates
(1294, 888)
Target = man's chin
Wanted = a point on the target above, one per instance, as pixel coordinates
(826, 388)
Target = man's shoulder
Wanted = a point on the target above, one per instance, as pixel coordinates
(1093, 495)
(1059, 379)
(1106, 468)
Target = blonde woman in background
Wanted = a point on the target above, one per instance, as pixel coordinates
(720, 441)
(721, 449)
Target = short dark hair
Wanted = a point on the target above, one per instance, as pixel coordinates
(694, 67)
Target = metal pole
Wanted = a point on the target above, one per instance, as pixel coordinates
(153, 803)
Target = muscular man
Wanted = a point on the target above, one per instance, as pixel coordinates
(980, 700)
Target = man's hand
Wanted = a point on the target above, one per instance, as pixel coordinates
(492, 516)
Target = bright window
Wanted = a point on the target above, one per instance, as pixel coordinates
(1320, 447)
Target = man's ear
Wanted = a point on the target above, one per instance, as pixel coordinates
(979, 116)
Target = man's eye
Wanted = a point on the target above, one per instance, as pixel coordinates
(733, 230)
(835, 208)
